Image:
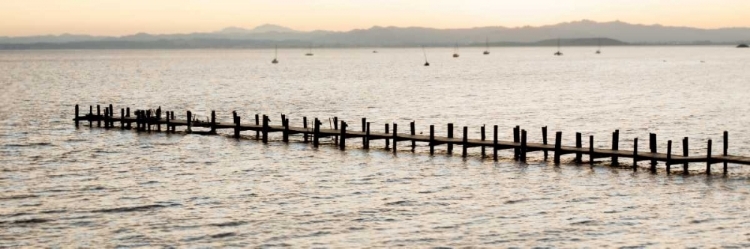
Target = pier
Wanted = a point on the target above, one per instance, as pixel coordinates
(155, 120)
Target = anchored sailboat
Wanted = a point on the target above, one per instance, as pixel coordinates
(275, 55)
(426, 63)
(558, 53)
(599, 45)
(455, 51)
(487, 46)
(309, 53)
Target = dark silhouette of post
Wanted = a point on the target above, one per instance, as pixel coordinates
(652, 145)
(635, 154)
(450, 135)
(76, 119)
(708, 158)
(395, 137)
(685, 152)
(669, 157)
(726, 148)
(413, 133)
(342, 142)
(558, 146)
(494, 142)
(544, 141)
(465, 142)
(579, 145)
(615, 146)
(432, 139)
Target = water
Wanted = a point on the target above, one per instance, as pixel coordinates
(62, 186)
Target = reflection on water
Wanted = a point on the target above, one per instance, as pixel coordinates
(93, 187)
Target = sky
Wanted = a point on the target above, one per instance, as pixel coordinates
(123, 17)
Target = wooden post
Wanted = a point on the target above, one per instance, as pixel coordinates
(387, 142)
(635, 154)
(544, 141)
(579, 145)
(169, 122)
(465, 142)
(494, 142)
(76, 119)
(395, 138)
(236, 126)
(342, 143)
(111, 115)
(432, 139)
(148, 120)
(304, 125)
(335, 127)
(652, 145)
(558, 140)
(726, 148)
(127, 115)
(316, 130)
(591, 149)
(91, 114)
(413, 133)
(516, 139)
(685, 154)
(450, 135)
(234, 116)
(364, 129)
(483, 137)
(265, 129)
(708, 158)
(615, 146)
(367, 136)
(98, 116)
(523, 146)
(189, 122)
(106, 123)
(669, 157)
(158, 119)
(122, 118)
(213, 122)
(285, 136)
(257, 123)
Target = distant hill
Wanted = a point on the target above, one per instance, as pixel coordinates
(579, 33)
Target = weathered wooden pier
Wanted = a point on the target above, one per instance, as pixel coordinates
(153, 120)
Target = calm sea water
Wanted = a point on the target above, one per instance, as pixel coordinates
(67, 187)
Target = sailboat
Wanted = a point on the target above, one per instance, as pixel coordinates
(455, 51)
(309, 53)
(487, 46)
(275, 55)
(599, 45)
(426, 63)
(558, 53)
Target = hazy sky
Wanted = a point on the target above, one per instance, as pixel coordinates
(120, 17)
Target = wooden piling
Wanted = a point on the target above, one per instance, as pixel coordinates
(342, 142)
(544, 141)
(591, 150)
(395, 138)
(122, 118)
(652, 145)
(98, 116)
(213, 122)
(387, 141)
(335, 127)
(76, 119)
(265, 129)
(413, 132)
(615, 146)
(106, 123)
(685, 152)
(91, 115)
(367, 136)
(237, 126)
(189, 122)
(304, 125)
(558, 140)
(635, 154)
(669, 157)
(148, 120)
(579, 144)
(523, 146)
(516, 140)
(483, 138)
(450, 135)
(432, 139)
(726, 149)
(111, 115)
(364, 129)
(169, 121)
(316, 132)
(494, 142)
(285, 134)
(708, 158)
(127, 115)
(465, 142)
